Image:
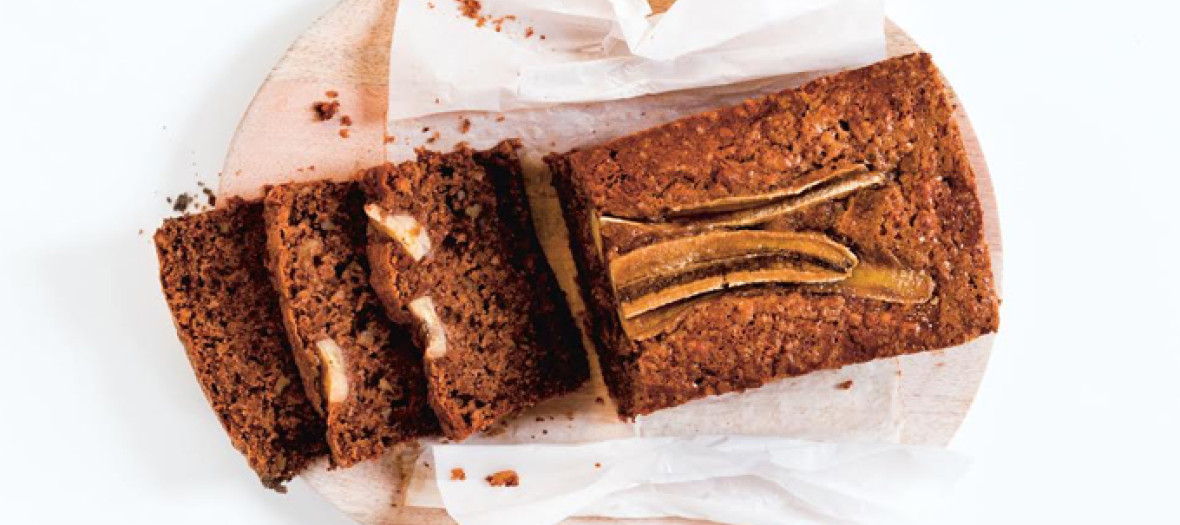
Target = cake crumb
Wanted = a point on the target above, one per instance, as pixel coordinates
(432, 138)
(324, 111)
(504, 478)
(181, 202)
(141, 231)
(500, 118)
(470, 8)
(600, 400)
(540, 419)
(346, 120)
(344, 133)
(389, 139)
(457, 474)
(598, 465)
(464, 125)
(528, 31)
(332, 93)
(844, 385)
(210, 197)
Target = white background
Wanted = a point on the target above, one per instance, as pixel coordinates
(109, 106)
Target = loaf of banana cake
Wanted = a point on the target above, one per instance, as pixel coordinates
(361, 371)
(454, 254)
(814, 228)
(212, 268)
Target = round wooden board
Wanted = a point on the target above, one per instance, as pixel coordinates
(347, 51)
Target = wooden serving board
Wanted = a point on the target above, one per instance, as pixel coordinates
(347, 51)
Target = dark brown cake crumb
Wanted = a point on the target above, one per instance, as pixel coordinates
(528, 32)
(324, 111)
(457, 474)
(433, 138)
(500, 118)
(844, 385)
(389, 139)
(346, 120)
(181, 202)
(210, 197)
(598, 465)
(464, 125)
(470, 8)
(504, 478)
(600, 400)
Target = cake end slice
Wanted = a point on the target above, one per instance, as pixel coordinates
(226, 314)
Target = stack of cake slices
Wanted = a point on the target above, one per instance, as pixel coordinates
(346, 317)
(831, 224)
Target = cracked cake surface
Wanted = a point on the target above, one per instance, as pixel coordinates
(454, 254)
(822, 226)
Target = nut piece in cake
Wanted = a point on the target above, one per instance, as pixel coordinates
(403, 228)
(335, 378)
(436, 333)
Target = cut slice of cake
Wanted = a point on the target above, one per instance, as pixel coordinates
(454, 254)
(226, 313)
(818, 227)
(360, 370)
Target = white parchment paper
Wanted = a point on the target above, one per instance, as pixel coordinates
(596, 50)
(604, 69)
(727, 479)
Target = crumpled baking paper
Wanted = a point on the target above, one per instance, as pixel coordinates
(533, 53)
(604, 69)
(726, 479)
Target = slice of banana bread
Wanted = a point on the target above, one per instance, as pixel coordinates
(814, 228)
(359, 369)
(454, 253)
(226, 313)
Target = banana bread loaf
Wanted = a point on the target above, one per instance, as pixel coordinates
(818, 227)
